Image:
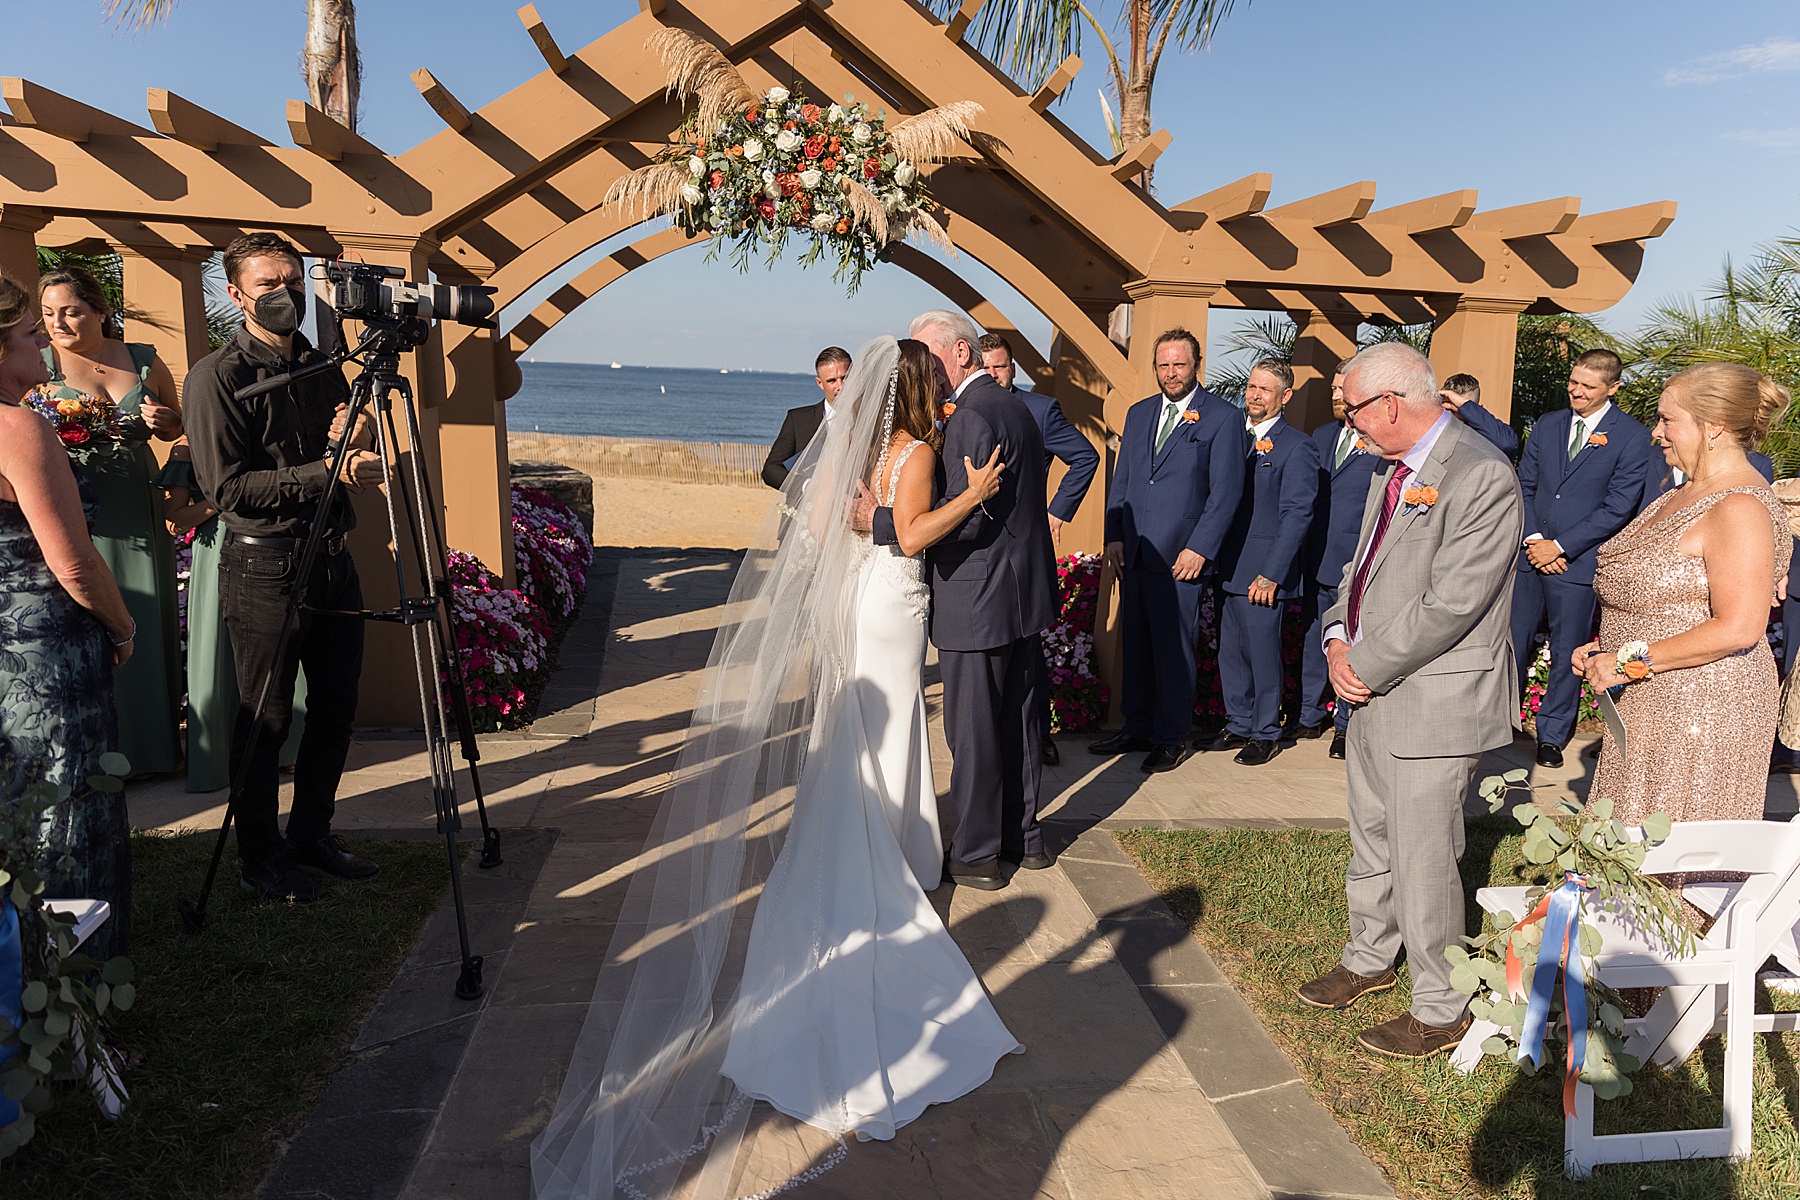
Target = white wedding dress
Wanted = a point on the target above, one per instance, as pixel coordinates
(856, 1009)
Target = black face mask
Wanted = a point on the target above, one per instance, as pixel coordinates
(280, 311)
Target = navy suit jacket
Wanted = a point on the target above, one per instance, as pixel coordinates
(1490, 427)
(1186, 496)
(1338, 512)
(993, 578)
(1581, 502)
(1280, 488)
(1062, 440)
(1662, 476)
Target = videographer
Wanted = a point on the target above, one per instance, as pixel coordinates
(264, 462)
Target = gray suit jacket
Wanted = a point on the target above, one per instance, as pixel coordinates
(1436, 645)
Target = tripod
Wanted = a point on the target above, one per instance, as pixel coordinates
(424, 609)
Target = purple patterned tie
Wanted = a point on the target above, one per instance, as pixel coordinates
(1389, 503)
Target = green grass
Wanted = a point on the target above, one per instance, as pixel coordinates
(1268, 905)
(240, 1026)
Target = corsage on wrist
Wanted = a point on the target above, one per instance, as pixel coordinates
(1634, 661)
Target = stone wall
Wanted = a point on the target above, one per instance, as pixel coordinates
(574, 488)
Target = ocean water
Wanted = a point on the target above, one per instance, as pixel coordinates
(685, 404)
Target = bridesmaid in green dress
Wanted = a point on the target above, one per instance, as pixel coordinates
(212, 696)
(128, 527)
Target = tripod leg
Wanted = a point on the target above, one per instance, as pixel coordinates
(193, 915)
(434, 567)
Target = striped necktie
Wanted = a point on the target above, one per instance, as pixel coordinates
(1389, 503)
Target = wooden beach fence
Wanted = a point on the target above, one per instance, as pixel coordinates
(734, 463)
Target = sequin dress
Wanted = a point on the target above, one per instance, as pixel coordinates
(1697, 739)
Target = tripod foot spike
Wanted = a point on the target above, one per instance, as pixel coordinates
(490, 850)
(193, 920)
(468, 984)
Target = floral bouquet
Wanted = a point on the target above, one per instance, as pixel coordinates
(86, 425)
(754, 169)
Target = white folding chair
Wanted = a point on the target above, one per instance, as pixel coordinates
(1714, 990)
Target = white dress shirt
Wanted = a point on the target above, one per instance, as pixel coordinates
(1259, 432)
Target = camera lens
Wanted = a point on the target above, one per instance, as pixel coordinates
(466, 304)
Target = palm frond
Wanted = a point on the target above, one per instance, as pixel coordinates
(696, 68)
(1192, 23)
(932, 135)
(1027, 39)
(1113, 136)
(865, 209)
(649, 191)
(138, 14)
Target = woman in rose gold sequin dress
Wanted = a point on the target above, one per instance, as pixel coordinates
(1693, 577)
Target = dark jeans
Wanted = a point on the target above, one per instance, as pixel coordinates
(251, 579)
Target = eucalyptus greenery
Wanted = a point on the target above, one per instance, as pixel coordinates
(67, 995)
(1590, 842)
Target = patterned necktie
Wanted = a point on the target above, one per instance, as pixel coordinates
(1389, 503)
(1346, 441)
(1576, 441)
(1171, 414)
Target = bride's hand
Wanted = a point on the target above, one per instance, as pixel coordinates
(985, 480)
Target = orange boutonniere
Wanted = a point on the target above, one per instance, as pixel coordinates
(949, 409)
(1189, 415)
(1420, 497)
(1362, 444)
(1264, 446)
(1596, 439)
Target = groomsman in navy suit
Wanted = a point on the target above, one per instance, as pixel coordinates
(1462, 396)
(1262, 566)
(1061, 441)
(1175, 492)
(1346, 464)
(1583, 476)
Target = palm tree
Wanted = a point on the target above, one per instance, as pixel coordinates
(1030, 38)
(330, 61)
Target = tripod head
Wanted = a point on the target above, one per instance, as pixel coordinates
(378, 351)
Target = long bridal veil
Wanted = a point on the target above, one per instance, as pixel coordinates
(644, 1109)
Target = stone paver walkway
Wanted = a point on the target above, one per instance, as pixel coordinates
(1146, 1076)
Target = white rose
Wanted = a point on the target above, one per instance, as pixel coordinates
(778, 95)
(691, 194)
(835, 113)
(787, 141)
(822, 221)
(862, 134)
(811, 178)
(905, 173)
(696, 166)
(752, 149)
(771, 190)
(771, 129)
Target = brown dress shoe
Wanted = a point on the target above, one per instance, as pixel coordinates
(1408, 1037)
(1341, 987)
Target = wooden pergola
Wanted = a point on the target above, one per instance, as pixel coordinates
(510, 193)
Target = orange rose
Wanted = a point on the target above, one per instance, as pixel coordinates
(843, 227)
(1596, 439)
(1635, 669)
(735, 151)
(1264, 446)
(1189, 415)
(1420, 497)
(1362, 444)
(949, 409)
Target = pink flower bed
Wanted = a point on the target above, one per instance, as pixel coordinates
(1077, 697)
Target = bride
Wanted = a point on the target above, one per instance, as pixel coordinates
(803, 795)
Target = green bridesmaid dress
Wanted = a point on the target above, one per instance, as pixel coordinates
(134, 541)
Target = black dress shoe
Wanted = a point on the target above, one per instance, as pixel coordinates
(982, 876)
(1164, 758)
(1305, 733)
(1052, 755)
(1257, 753)
(1030, 862)
(279, 879)
(1222, 740)
(1120, 743)
(1549, 755)
(1337, 746)
(329, 856)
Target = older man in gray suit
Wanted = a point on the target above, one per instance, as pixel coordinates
(1420, 642)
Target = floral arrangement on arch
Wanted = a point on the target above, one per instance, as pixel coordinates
(754, 169)
(86, 426)
(1077, 697)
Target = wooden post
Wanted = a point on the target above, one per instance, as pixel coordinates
(1479, 337)
(1157, 306)
(472, 442)
(1080, 390)
(19, 225)
(165, 297)
(1323, 342)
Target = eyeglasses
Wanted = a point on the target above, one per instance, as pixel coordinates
(1350, 410)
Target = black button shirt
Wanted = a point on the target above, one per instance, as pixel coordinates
(263, 460)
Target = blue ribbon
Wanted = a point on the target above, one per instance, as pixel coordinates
(12, 981)
(1560, 950)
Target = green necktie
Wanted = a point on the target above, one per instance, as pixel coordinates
(1575, 442)
(1346, 442)
(1171, 414)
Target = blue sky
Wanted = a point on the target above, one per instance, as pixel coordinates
(1617, 102)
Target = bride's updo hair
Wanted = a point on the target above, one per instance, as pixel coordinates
(1743, 400)
(916, 393)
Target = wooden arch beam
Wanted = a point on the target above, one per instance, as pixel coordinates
(1451, 210)
(185, 121)
(540, 37)
(1539, 219)
(37, 107)
(315, 131)
(1238, 199)
(1625, 224)
(1339, 206)
(442, 102)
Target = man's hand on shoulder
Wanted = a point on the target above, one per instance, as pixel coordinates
(1344, 680)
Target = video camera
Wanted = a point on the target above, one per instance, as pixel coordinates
(363, 293)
